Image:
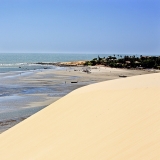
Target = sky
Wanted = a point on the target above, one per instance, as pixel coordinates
(80, 26)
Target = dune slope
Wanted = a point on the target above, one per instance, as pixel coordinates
(118, 119)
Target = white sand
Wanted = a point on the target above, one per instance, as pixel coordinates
(117, 119)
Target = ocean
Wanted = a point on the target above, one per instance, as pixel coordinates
(26, 61)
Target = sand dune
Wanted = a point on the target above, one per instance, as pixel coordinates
(118, 119)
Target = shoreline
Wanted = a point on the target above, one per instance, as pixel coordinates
(81, 64)
(43, 87)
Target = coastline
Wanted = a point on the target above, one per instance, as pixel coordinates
(32, 91)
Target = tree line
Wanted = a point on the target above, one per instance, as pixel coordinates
(119, 61)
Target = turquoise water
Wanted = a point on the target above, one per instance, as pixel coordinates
(13, 58)
(24, 61)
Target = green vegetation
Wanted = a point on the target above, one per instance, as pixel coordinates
(141, 62)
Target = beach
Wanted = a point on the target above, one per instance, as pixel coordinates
(116, 119)
(79, 80)
(27, 92)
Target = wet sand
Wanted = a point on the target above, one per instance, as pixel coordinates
(25, 93)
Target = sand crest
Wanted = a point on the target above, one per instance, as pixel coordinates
(116, 119)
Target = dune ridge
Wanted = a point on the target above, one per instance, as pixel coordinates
(117, 119)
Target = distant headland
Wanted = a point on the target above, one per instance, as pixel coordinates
(115, 61)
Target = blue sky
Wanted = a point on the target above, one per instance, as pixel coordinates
(80, 26)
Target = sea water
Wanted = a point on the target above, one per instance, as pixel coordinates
(26, 61)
